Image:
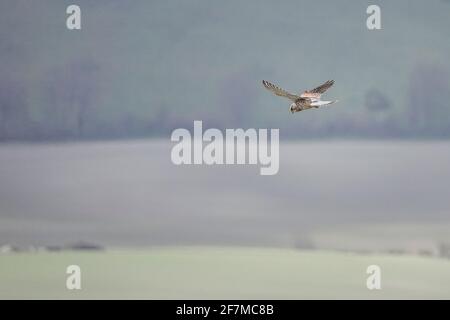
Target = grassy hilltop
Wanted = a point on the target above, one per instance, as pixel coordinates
(221, 273)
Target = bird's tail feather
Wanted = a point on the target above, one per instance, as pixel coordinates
(323, 103)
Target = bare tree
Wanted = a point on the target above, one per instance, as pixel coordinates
(71, 93)
(429, 96)
(376, 101)
(13, 109)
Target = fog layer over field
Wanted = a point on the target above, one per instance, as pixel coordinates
(130, 193)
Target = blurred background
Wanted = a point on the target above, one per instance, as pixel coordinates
(142, 69)
(86, 117)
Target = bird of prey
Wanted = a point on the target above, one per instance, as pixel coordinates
(306, 100)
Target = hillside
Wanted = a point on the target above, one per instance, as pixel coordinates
(221, 273)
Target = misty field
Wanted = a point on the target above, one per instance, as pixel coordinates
(221, 273)
(205, 224)
(371, 195)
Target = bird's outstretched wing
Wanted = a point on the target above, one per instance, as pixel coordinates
(279, 92)
(322, 88)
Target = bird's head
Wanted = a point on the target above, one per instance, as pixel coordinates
(292, 108)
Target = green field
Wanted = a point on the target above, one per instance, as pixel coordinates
(221, 273)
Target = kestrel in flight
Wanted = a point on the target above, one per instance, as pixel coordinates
(306, 100)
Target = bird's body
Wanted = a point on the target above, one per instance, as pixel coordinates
(306, 100)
